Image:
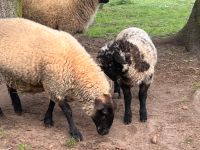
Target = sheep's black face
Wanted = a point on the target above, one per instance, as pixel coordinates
(103, 120)
(113, 61)
(108, 64)
(103, 117)
(103, 1)
(113, 71)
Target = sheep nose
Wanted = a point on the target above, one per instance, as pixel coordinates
(102, 131)
(105, 131)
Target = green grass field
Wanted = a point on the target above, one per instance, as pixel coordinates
(157, 17)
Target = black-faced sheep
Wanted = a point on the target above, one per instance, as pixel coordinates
(129, 59)
(73, 16)
(35, 58)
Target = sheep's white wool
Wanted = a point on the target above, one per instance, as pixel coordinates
(35, 58)
(146, 48)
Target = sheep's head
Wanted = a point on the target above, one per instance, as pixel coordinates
(104, 114)
(113, 60)
(103, 1)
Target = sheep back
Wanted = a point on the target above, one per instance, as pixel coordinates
(73, 16)
(143, 54)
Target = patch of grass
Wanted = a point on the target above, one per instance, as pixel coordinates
(188, 141)
(184, 98)
(24, 146)
(2, 132)
(196, 86)
(19, 8)
(121, 2)
(158, 18)
(70, 143)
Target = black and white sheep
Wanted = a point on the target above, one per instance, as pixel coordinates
(35, 58)
(130, 58)
(72, 16)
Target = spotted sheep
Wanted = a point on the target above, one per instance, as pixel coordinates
(72, 16)
(128, 59)
(35, 58)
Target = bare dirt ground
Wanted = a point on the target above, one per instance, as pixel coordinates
(173, 112)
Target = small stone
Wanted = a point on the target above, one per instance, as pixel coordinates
(185, 108)
(154, 139)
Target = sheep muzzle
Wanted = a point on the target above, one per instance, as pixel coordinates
(104, 115)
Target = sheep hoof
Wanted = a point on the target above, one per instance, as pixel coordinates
(48, 122)
(143, 116)
(18, 112)
(76, 135)
(127, 118)
(2, 116)
(1, 113)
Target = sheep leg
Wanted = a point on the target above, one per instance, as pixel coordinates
(15, 100)
(117, 89)
(1, 113)
(143, 88)
(48, 120)
(127, 102)
(74, 132)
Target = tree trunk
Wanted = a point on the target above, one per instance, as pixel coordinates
(189, 35)
(10, 8)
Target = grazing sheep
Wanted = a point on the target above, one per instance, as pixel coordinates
(129, 59)
(35, 58)
(73, 16)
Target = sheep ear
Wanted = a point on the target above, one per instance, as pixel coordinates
(98, 104)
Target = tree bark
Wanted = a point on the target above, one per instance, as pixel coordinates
(10, 8)
(189, 35)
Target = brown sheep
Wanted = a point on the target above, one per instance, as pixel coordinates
(72, 16)
(35, 58)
